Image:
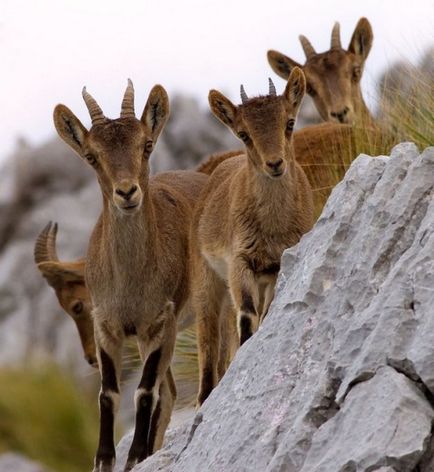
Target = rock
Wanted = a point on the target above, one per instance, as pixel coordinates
(340, 376)
(14, 462)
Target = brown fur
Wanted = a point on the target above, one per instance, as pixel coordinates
(333, 77)
(137, 266)
(67, 279)
(253, 207)
(325, 152)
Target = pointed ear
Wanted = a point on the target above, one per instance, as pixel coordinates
(361, 41)
(156, 111)
(281, 64)
(70, 128)
(222, 108)
(295, 88)
(59, 273)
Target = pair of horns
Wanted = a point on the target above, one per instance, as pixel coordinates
(95, 112)
(271, 91)
(335, 43)
(45, 246)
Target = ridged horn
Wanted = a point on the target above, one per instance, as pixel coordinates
(45, 245)
(95, 112)
(336, 37)
(127, 108)
(243, 94)
(271, 88)
(308, 49)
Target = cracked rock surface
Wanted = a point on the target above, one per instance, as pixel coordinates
(340, 376)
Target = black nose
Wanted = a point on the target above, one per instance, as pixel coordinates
(274, 165)
(127, 195)
(341, 114)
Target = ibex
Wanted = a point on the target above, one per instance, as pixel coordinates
(137, 265)
(333, 77)
(253, 207)
(67, 279)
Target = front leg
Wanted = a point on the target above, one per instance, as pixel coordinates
(162, 337)
(245, 295)
(109, 353)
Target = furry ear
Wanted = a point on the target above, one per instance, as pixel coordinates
(295, 88)
(60, 273)
(361, 41)
(222, 108)
(281, 64)
(156, 111)
(70, 128)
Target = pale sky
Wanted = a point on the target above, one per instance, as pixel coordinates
(51, 48)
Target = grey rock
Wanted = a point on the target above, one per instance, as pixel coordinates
(11, 462)
(340, 376)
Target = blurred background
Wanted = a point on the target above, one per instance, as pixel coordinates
(50, 49)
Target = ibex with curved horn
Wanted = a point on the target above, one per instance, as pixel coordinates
(137, 265)
(333, 77)
(253, 207)
(67, 279)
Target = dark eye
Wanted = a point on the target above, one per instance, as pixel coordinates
(91, 159)
(77, 308)
(310, 90)
(149, 146)
(357, 73)
(290, 124)
(244, 137)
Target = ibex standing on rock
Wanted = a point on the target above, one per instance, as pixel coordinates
(333, 77)
(253, 207)
(137, 265)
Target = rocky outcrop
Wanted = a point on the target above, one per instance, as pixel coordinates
(14, 462)
(340, 376)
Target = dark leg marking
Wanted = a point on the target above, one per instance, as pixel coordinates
(207, 384)
(141, 446)
(247, 304)
(106, 447)
(108, 380)
(245, 329)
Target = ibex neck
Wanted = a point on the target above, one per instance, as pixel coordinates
(130, 238)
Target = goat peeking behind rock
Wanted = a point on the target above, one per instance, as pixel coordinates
(137, 265)
(253, 207)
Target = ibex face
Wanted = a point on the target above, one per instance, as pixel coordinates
(117, 149)
(67, 279)
(264, 124)
(333, 77)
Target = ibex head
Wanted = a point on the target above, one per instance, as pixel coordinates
(264, 124)
(67, 279)
(332, 77)
(118, 149)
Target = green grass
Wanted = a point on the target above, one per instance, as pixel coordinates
(44, 416)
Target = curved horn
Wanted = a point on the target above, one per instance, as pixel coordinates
(308, 49)
(243, 94)
(271, 88)
(95, 112)
(127, 108)
(45, 245)
(336, 37)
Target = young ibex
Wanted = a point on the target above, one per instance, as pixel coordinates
(137, 265)
(333, 77)
(67, 279)
(253, 207)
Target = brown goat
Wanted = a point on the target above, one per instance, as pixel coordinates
(333, 77)
(67, 279)
(253, 207)
(137, 265)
